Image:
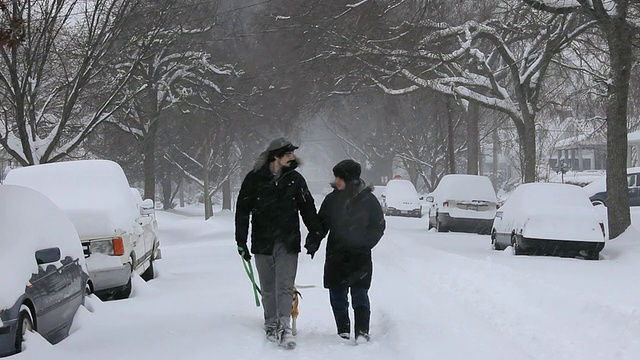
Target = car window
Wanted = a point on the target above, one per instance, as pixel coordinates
(631, 180)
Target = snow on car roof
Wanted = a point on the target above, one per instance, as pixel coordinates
(86, 190)
(465, 187)
(29, 222)
(400, 186)
(548, 194)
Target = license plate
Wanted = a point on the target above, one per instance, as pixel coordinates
(403, 212)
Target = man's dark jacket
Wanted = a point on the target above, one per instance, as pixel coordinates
(274, 205)
(355, 222)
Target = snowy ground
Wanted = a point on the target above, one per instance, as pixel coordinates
(434, 296)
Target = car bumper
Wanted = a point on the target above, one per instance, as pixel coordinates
(400, 212)
(111, 278)
(8, 337)
(558, 247)
(479, 226)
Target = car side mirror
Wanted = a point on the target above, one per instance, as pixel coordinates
(421, 198)
(47, 256)
(147, 207)
(430, 199)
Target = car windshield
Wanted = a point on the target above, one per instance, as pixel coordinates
(401, 189)
(547, 194)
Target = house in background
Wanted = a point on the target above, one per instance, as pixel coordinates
(589, 152)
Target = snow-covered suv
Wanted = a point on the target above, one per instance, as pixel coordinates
(117, 230)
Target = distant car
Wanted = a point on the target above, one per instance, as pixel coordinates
(463, 203)
(116, 229)
(44, 277)
(378, 191)
(401, 198)
(549, 218)
(597, 190)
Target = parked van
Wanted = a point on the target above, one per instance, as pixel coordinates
(113, 225)
(401, 198)
(463, 203)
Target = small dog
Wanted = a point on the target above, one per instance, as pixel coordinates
(295, 311)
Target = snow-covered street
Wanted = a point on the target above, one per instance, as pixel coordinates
(434, 296)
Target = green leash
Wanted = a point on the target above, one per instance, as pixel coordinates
(248, 268)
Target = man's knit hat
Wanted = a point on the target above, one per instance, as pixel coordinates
(278, 147)
(347, 170)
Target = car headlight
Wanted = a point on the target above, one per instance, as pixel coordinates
(113, 246)
(102, 247)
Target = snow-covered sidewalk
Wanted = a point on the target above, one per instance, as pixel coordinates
(434, 296)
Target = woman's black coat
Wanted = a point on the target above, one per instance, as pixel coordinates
(355, 222)
(274, 205)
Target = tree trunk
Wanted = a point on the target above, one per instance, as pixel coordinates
(496, 152)
(473, 139)
(181, 185)
(226, 195)
(149, 159)
(166, 191)
(620, 52)
(529, 147)
(380, 172)
(208, 204)
(451, 156)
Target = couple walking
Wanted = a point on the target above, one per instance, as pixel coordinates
(272, 197)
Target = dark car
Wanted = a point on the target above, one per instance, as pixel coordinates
(42, 252)
(597, 190)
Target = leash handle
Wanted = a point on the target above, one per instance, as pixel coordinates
(248, 268)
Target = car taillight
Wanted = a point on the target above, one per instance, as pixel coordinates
(446, 203)
(602, 228)
(118, 246)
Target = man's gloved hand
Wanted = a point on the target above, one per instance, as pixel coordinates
(312, 247)
(243, 250)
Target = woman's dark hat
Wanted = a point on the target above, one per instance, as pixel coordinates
(347, 170)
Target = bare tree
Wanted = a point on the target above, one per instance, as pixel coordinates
(48, 82)
(617, 20)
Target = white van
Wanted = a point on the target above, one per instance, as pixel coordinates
(463, 203)
(116, 230)
(401, 198)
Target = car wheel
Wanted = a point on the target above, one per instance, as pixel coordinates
(25, 323)
(439, 226)
(517, 250)
(494, 241)
(593, 255)
(149, 274)
(124, 292)
(598, 203)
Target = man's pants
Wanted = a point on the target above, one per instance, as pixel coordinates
(277, 274)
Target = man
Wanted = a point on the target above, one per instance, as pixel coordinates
(354, 220)
(274, 194)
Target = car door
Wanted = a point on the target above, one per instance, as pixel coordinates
(56, 290)
(149, 226)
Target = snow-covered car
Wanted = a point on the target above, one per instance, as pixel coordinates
(44, 277)
(115, 229)
(597, 190)
(463, 203)
(549, 218)
(401, 198)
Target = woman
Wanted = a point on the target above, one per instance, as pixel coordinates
(354, 220)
